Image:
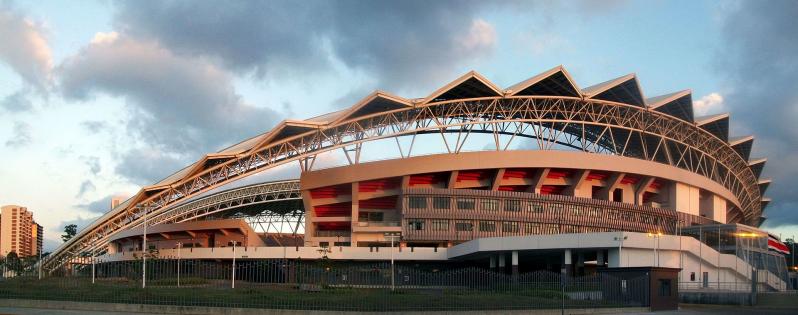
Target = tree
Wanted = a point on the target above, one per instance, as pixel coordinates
(69, 232)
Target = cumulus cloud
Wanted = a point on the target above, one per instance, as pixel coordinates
(181, 107)
(759, 64)
(395, 42)
(20, 135)
(708, 104)
(25, 48)
(16, 102)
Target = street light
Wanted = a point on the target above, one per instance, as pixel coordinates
(656, 237)
(179, 246)
(392, 236)
(620, 239)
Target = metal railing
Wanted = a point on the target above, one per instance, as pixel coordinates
(320, 284)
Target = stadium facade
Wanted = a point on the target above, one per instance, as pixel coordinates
(563, 178)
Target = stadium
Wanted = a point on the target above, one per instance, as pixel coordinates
(541, 175)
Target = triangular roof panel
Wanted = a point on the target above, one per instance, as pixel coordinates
(717, 125)
(554, 82)
(757, 166)
(624, 89)
(679, 104)
(469, 85)
(765, 202)
(376, 102)
(286, 129)
(763, 185)
(742, 145)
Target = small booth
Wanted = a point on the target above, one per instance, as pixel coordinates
(659, 285)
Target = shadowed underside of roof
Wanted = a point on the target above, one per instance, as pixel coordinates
(622, 90)
(679, 104)
(742, 146)
(717, 125)
(554, 82)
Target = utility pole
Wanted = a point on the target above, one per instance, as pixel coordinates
(179, 246)
(392, 236)
(144, 254)
(234, 265)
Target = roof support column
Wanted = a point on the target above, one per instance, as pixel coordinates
(613, 182)
(640, 189)
(537, 180)
(576, 182)
(497, 180)
(452, 180)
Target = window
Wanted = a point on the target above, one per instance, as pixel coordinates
(692, 276)
(441, 202)
(465, 203)
(510, 227)
(418, 202)
(534, 207)
(512, 205)
(532, 228)
(416, 225)
(664, 287)
(487, 226)
(463, 226)
(368, 216)
(440, 225)
(489, 204)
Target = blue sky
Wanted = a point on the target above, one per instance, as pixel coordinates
(100, 98)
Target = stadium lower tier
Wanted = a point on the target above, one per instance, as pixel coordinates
(445, 199)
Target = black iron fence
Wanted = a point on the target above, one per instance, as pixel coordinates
(319, 285)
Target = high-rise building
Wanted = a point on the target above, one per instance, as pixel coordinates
(19, 233)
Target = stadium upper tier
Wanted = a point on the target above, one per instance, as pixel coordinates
(610, 118)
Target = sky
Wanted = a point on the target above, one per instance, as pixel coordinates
(100, 98)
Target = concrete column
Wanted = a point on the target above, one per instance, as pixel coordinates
(567, 262)
(580, 263)
(514, 262)
(492, 262)
(502, 263)
(600, 258)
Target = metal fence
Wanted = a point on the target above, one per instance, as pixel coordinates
(320, 285)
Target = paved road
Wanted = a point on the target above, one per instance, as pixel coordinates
(685, 310)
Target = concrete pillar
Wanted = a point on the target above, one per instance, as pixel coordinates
(492, 262)
(502, 263)
(580, 264)
(600, 258)
(566, 269)
(514, 262)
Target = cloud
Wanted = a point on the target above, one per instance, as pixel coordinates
(25, 48)
(20, 135)
(16, 102)
(85, 187)
(181, 107)
(395, 42)
(93, 163)
(708, 104)
(94, 126)
(759, 66)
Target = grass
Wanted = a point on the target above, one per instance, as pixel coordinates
(202, 292)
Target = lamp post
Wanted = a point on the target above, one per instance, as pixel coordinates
(656, 237)
(179, 246)
(392, 236)
(233, 283)
(620, 239)
(144, 253)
